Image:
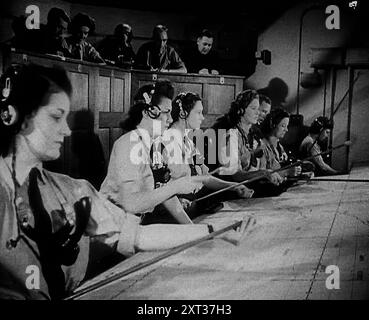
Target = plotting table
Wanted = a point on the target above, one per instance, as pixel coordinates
(297, 235)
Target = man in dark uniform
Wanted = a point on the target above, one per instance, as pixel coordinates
(200, 58)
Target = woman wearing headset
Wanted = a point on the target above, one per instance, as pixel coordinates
(273, 129)
(187, 159)
(240, 157)
(311, 145)
(46, 219)
(138, 179)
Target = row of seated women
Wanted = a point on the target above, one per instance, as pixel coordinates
(55, 224)
(164, 144)
(53, 227)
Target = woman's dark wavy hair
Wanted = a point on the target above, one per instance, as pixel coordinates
(139, 96)
(161, 89)
(272, 120)
(319, 124)
(31, 87)
(134, 116)
(186, 100)
(237, 110)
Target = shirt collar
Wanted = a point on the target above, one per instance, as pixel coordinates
(6, 172)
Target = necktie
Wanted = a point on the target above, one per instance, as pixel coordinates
(42, 235)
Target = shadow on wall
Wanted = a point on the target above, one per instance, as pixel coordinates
(277, 91)
(87, 159)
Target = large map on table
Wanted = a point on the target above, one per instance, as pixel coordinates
(313, 228)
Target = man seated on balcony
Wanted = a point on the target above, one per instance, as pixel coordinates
(117, 49)
(50, 38)
(157, 55)
(82, 25)
(53, 41)
(200, 58)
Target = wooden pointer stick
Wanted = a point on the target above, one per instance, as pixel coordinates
(339, 180)
(144, 264)
(265, 174)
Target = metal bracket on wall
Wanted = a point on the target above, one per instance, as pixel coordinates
(221, 80)
(154, 77)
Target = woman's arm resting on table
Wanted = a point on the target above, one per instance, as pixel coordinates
(161, 237)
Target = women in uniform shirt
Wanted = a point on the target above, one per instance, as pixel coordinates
(47, 218)
(131, 182)
(239, 157)
(186, 159)
(319, 132)
(273, 129)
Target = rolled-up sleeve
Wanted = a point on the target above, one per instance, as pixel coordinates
(128, 234)
(129, 170)
(112, 225)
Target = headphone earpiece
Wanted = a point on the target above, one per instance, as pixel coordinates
(153, 111)
(271, 123)
(9, 115)
(6, 90)
(317, 126)
(272, 126)
(240, 112)
(182, 113)
(147, 98)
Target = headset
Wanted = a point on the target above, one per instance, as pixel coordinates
(183, 114)
(8, 113)
(64, 242)
(274, 117)
(239, 102)
(318, 126)
(153, 111)
(272, 125)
